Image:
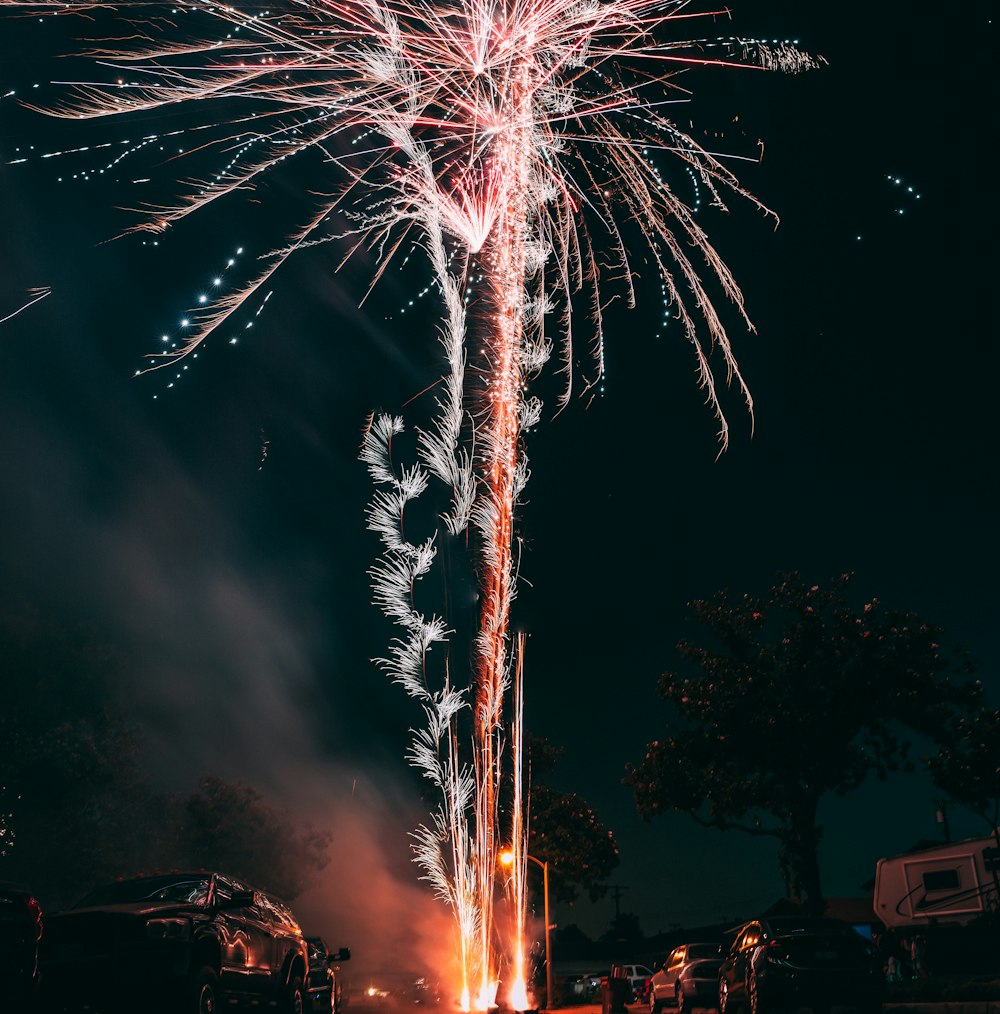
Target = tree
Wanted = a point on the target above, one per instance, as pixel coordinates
(797, 694)
(230, 827)
(67, 757)
(76, 810)
(967, 768)
(566, 833)
(624, 934)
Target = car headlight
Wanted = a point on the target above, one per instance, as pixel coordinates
(168, 929)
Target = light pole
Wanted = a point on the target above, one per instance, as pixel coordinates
(507, 858)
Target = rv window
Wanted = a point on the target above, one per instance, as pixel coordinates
(941, 880)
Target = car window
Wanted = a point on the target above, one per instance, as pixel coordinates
(699, 952)
(183, 889)
(277, 911)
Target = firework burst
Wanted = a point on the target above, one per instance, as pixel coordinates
(516, 138)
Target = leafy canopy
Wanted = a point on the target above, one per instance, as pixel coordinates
(789, 696)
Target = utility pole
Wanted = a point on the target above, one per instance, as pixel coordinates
(617, 891)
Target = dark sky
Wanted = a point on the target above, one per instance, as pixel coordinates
(215, 529)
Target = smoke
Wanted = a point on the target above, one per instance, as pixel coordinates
(369, 898)
(245, 631)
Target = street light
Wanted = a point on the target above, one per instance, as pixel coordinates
(507, 858)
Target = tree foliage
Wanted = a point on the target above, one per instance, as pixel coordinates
(76, 807)
(791, 696)
(566, 832)
(231, 827)
(967, 768)
(68, 759)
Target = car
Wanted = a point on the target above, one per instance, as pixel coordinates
(638, 977)
(583, 986)
(688, 977)
(799, 962)
(188, 941)
(324, 987)
(20, 932)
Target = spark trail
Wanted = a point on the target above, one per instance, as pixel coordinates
(37, 294)
(512, 137)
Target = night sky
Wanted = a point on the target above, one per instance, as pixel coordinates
(215, 529)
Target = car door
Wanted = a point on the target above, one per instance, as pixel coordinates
(672, 970)
(748, 941)
(259, 922)
(728, 972)
(658, 984)
(234, 940)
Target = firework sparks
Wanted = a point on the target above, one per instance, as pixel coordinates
(36, 295)
(511, 137)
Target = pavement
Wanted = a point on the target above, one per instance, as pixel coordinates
(965, 1007)
(359, 1006)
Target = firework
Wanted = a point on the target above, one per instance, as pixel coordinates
(517, 139)
(35, 295)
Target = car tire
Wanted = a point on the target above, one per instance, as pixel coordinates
(203, 991)
(683, 1003)
(655, 1006)
(293, 1001)
(754, 1006)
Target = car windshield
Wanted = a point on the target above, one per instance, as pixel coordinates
(185, 889)
(698, 952)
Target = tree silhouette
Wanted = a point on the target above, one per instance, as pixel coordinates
(566, 832)
(967, 769)
(794, 695)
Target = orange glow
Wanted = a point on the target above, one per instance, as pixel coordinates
(518, 996)
(487, 997)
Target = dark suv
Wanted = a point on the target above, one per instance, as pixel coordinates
(184, 940)
(20, 930)
(800, 962)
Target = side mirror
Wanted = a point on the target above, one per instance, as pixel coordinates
(344, 954)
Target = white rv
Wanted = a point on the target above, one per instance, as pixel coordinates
(949, 883)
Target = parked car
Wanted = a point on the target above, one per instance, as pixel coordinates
(800, 962)
(689, 977)
(187, 940)
(324, 986)
(20, 931)
(638, 977)
(584, 986)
